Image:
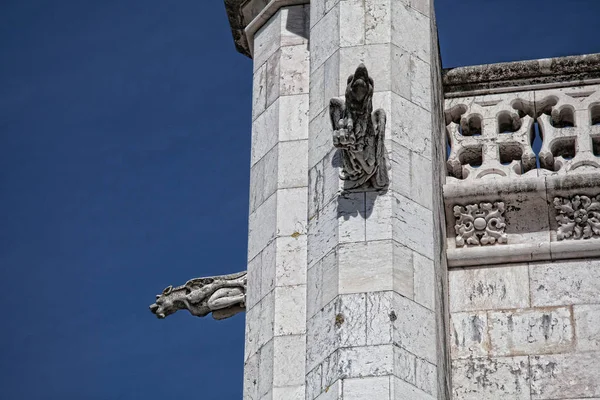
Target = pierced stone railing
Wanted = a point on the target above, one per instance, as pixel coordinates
(530, 141)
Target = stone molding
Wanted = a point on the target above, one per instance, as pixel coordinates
(532, 220)
(246, 17)
(521, 75)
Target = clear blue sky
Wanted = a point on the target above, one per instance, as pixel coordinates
(124, 166)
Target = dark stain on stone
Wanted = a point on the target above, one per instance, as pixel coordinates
(393, 316)
(339, 320)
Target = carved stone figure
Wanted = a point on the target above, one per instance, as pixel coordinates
(480, 224)
(360, 133)
(223, 296)
(578, 217)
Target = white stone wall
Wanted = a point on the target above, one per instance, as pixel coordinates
(526, 331)
(371, 288)
(276, 302)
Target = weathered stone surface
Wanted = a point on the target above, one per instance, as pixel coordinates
(469, 335)
(565, 282)
(491, 378)
(531, 331)
(404, 391)
(414, 328)
(367, 388)
(565, 376)
(587, 326)
(223, 296)
(489, 288)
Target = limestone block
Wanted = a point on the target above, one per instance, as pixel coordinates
(317, 98)
(531, 331)
(404, 391)
(404, 365)
(489, 288)
(587, 326)
(422, 6)
(293, 125)
(292, 168)
(351, 220)
(289, 393)
(365, 267)
(426, 377)
(265, 383)
(323, 283)
(290, 310)
(367, 388)
(259, 325)
(291, 211)
(491, 378)
(565, 282)
(411, 126)
(263, 177)
(352, 23)
(251, 371)
(401, 72)
(288, 355)
(341, 323)
(404, 273)
(264, 132)
(322, 233)
(469, 335)
(378, 27)
(320, 142)
(259, 91)
(313, 382)
(406, 21)
(291, 260)
(333, 392)
(379, 317)
(272, 67)
(325, 38)
(415, 328)
(420, 84)
(267, 40)
(424, 280)
(262, 225)
(366, 361)
(565, 376)
(324, 182)
(413, 225)
(293, 70)
(378, 221)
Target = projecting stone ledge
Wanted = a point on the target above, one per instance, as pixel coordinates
(223, 296)
(246, 17)
(521, 75)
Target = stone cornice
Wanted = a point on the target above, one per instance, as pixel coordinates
(522, 75)
(246, 17)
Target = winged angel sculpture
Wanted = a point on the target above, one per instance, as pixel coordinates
(360, 133)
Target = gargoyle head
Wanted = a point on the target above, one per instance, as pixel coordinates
(168, 302)
(359, 89)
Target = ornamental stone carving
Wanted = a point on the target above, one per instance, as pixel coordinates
(578, 217)
(223, 296)
(480, 224)
(359, 133)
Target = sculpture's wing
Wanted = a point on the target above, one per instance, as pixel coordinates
(337, 109)
(381, 177)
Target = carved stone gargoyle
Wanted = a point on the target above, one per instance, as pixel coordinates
(223, 296)
(360, 133)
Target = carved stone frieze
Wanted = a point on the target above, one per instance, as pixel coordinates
(360, 132)
(480, 224)
(578, 217)
(223, 296)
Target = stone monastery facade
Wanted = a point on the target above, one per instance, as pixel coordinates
(414, 233)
